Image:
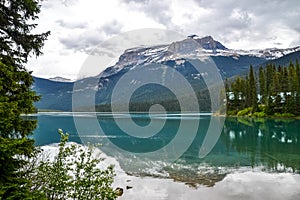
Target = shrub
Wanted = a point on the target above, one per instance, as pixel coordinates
(284, 115)
(262, 108)
(73, 174)
(244, 112)
(259, 114)
(231, 112)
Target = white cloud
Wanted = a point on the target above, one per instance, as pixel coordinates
(77, 26)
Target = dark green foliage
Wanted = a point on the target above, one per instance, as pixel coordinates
(262, 86)
(169, 104)
(16, 40)
(16, 96)
(284, 83)
(298, 71)
(279, 90)
(13, 181)
(252, 90)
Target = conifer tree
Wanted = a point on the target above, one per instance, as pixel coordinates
(298, 71)
(247, 92)
(252, 90)
(279, 88)
(262, 85)
(275, 89)
(243, 92)
(16, 96)
(285, 82)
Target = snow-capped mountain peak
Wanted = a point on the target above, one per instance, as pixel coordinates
(191, 47)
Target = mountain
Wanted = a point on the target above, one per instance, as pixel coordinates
(54, 95)
(285, 60)
(230, 62)
(58, 95)
(208, 43)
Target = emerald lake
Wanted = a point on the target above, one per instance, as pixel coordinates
(245, 145)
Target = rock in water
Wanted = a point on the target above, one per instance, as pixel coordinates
(119, 191)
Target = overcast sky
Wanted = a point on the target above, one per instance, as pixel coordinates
(78, 25)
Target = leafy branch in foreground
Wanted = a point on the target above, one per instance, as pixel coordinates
(74, 174)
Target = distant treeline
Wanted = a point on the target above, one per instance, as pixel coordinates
(272, 90)
(170, 104)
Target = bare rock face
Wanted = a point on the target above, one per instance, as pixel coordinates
(185, 46)
(209, 43)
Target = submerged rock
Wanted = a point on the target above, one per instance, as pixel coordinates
(193, 178)
(119, 191)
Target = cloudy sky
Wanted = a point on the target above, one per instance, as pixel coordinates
(77, 26)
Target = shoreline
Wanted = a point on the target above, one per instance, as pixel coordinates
(170, 113)
(266, 117)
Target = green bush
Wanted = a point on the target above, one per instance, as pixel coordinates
(73, 174)
(284, 115)
(231, 112)
(245, 112)
(262, 108)
(259, 114)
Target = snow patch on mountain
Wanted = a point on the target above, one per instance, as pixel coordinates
(190, 48)
(60, 79)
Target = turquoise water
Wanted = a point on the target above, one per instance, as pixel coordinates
(245, 144)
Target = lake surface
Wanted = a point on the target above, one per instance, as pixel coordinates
(262, 145)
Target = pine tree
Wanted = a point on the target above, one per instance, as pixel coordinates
(279, 88)
(16, 96)
(275, 88)
(236, 93)
(285, 82)
(252, 90)
(297, 98)
(247, 92)
(269, 80)
(262, 86)
(243, 93)
(294, 85)
(298, 70)
(279, 73)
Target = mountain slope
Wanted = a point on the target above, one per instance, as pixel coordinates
(58, 95)
(285, 60)
(54, 95)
